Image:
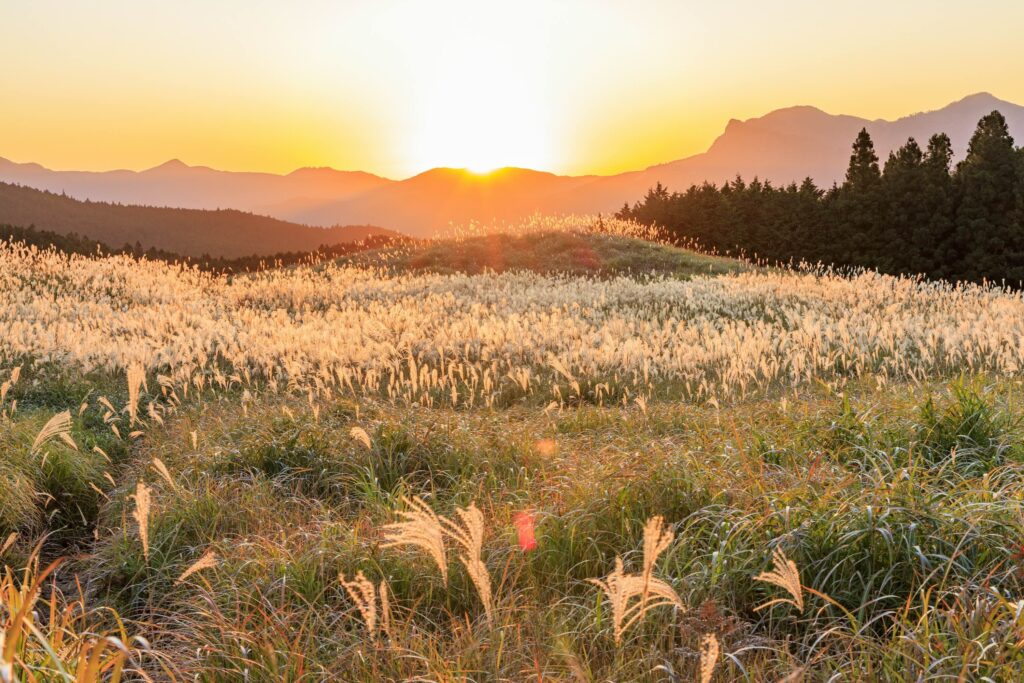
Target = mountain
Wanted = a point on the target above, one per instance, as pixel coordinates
(178, 185)
(790, 144)
(784, 145)
(190, 232)
(430, 201)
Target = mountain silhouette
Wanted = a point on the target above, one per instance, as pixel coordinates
(175, 184)
(782, 146)
(190, 232)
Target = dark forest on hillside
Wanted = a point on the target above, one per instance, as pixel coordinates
(223, 233)
(73, 243)
(916, 215)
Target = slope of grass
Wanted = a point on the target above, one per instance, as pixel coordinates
(551, 252)
(901, 507)
(214, 507)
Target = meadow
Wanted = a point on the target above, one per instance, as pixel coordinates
(594, 457)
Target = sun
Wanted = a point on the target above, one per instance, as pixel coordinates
(459, 131)
(482, 169)
(480, 102)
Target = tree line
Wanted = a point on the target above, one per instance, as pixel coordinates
(73, 243)
(917, 214)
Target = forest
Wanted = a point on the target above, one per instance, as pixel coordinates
(919, 213)
(73, 243)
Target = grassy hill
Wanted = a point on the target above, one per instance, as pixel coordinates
(781, 475)
(548, 252)
(190, 232)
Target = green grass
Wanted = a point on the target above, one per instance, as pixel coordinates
(902, 505)
(549, 253)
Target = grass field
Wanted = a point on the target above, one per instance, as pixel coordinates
(427, 465)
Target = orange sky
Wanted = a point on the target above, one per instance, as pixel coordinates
(571, 86)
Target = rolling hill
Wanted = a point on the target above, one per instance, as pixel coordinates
(190, 232)
(784, 145)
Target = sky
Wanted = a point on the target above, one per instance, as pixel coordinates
(395, 87)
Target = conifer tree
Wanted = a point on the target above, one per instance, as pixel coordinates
(987, 185)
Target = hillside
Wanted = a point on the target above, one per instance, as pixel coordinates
(784, 145)
(548, 253)
(189, 232)
(345, 473)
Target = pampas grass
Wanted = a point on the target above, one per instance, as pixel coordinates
(422, 529)
(425, 529)
(785, 575)
(360, 435)
(141, 515)
(136, 376)
(164, 473)
(708, 657)
(57, 427)
(469, 534)
(6, 386)
(632, 596)
(366, 597)
(207, 561)
(9, 542)
(657, 539)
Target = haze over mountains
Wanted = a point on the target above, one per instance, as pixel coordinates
(226, 233)
(784, 145)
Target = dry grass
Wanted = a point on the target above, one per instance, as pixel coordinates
(785, 575)
(141, 515)
(207, 561)
(632, 596)
(59, 639)
(669, 437)
(709, 649)
(57, 427)
(422, 529)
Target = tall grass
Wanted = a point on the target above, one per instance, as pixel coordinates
(345, 472)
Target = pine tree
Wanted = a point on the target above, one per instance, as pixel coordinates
(987, 185)
(936, 252)
(858, 206)
(903, 209)
(863, 173)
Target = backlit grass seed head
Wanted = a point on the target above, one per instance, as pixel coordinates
(421, 528)
(657, 539)
(164, 473)
(141, 515)
(57, 427)
(708, 657)
(207, 561)
(468, 532)
(785, 575)
(360, 435)
(136, 376)
(364, 595)
(632, 596)
(425, 529)
(9, 542)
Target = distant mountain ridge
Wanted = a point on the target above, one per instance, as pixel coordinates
(177, 185)
(225, 233)
(784, 145)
